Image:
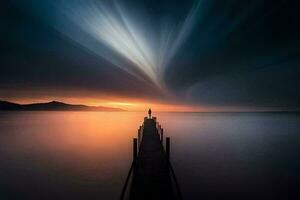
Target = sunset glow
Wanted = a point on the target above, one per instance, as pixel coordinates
(136, 106)
(149, 99)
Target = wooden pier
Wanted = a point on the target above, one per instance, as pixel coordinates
(151, 175)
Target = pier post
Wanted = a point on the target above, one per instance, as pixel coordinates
(168, 147)
(139, 137)
(135, 153)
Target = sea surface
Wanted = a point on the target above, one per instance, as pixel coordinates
(87, 155)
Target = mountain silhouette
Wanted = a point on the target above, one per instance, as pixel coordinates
(53, 106)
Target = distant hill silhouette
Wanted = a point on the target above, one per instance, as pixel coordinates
(52, 106)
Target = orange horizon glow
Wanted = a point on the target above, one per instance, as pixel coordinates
(135, 105)
(126, 104)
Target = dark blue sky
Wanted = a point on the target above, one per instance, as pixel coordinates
(237, 53)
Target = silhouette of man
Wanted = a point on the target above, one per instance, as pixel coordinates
(149, 113)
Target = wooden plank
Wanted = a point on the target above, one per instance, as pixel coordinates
(151, 176)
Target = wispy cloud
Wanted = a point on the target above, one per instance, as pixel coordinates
(110, 25)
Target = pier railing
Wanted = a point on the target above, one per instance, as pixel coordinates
(160, 132)
(136, 146)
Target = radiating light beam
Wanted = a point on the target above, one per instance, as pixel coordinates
(110, 25)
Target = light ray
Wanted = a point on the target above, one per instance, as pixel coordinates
(111, 26)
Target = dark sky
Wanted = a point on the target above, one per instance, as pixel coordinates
(237, 53)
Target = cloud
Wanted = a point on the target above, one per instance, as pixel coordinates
(228, 53)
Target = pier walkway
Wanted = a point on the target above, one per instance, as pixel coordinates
(151, 174)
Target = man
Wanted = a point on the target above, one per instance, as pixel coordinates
(149, 113)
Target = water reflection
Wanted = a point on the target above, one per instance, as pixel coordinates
(235, 156)
(66, 154)
(86, 155)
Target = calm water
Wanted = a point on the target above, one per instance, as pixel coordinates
(86, 155)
